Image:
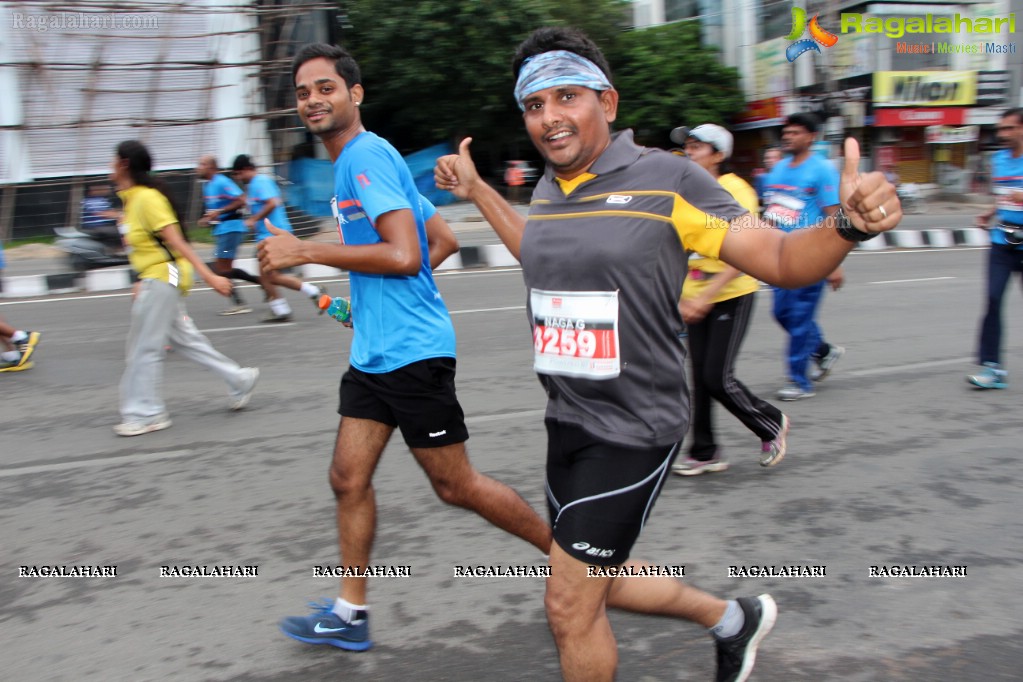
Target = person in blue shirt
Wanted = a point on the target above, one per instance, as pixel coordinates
(266, 205)
(1006, 254)
(224, 201)
(402, 372)
(799, 192)
(772, 155)
(98, 214)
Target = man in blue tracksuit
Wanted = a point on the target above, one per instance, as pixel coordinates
(800, 191)
(1006, 255)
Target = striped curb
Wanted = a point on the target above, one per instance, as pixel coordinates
(468, 257)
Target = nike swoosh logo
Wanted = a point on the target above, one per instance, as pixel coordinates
(318, 629)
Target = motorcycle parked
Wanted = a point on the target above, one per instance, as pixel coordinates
(87, 250)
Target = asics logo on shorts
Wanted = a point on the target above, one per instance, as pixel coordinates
(593, 551)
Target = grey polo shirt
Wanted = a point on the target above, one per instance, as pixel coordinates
(604, 268)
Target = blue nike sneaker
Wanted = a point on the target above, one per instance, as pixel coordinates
(326, 627)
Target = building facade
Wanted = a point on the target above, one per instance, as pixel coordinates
(921, 84)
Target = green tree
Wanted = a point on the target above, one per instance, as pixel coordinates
(665, 79)
(438, 70)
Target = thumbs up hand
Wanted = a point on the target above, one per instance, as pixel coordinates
(282, 250)
(869, 199)
(457, 173)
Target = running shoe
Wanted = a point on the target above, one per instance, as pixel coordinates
(242, 399)
(236, 310)
(18, 365)
(161, 422)
(794, 392)
(273, 317)
(324, 626)
(773, 451)
(991, 375)
(695, 467)
(737, 654)
(826, 363)
(27, 345)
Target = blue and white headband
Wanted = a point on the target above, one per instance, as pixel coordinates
(557, 67)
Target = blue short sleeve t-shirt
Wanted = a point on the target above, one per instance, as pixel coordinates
(92, 207)
(795, 196)
(1006, 178)
(262, 189)
(218, 192)
(429, 210)
(398, 319)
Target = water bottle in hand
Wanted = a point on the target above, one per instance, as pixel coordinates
(338, 307)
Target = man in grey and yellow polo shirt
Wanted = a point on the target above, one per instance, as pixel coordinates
(604, 255)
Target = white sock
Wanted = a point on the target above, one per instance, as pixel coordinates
(310, 289)
(10, 356)
(348, 610)
(19, 336)
(731, 622)
(279, 306)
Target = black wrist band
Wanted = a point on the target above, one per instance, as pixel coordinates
(845, 229)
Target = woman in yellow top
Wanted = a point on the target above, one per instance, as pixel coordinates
(165, 264)
(717, 304)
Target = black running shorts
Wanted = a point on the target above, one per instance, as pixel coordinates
(419, 399)
(600, 494)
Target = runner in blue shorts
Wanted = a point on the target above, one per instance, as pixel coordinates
(224, 200)
(267, 205)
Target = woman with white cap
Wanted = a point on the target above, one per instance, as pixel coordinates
(717, 304)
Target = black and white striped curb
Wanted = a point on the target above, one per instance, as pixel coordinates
(937, 238)
(485, 256)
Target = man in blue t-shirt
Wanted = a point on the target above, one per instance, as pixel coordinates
(267, 205)
(99, 218)
(223, 200)
(402, 372)
(799, 192)
(1006, 254)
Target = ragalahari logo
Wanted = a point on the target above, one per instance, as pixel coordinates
(817, 35)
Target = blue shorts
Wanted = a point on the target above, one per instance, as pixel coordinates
(228, 243)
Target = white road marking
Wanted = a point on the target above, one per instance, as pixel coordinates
(486, 310)
(92, 462)
(909, 366)
(904, 281)
(118, 460)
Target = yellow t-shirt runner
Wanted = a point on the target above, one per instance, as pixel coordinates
(703, 269)
(146, 212)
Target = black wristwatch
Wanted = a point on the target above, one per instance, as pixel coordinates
(845, 229)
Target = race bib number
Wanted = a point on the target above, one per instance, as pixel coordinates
(575, 333)
(784, 210)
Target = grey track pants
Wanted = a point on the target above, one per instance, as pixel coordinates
(158, 319)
